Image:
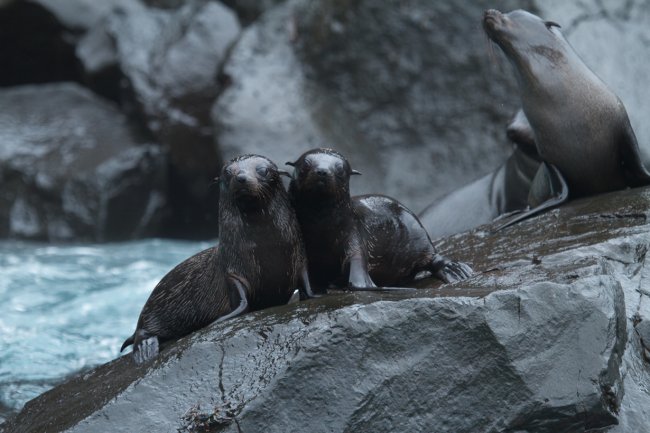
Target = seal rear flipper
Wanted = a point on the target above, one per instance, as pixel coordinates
(237, 289)
(635, 172)
(448, 270)
(145, 350)
(127, 343)
(549, 189)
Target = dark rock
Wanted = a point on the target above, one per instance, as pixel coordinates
(249, 10)
(170, 60)
(35, 47)
(540, 340)
(409, 92)
(71, 168)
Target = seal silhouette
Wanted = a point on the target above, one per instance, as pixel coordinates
(581, 128)
(259, 261)
(361, 241)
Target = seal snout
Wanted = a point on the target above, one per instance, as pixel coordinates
(492, 19)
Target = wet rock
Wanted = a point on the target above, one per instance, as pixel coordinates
(542, 339)
(170, 61)
(71, 168)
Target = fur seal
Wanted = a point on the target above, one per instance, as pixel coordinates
(362, 241)
(258, 262)
(581, 129)
(503, 191)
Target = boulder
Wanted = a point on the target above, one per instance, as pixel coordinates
(249, 10)
(170, 61)
(411, 93)
(546, 337)
(72, 168)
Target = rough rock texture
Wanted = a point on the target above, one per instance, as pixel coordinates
(380, 82)
(71, 167)
(170, 61)
(547, 337)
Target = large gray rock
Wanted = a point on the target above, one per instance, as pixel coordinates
(170, 60)
(409, 92)
(545, 338)
(71, 168)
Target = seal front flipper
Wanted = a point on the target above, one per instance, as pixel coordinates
(237, 289)
(359, 277)
(305, 290)
(549, 189)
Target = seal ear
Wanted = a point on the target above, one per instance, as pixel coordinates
(285, 173)
(356, 172)
(550, 24)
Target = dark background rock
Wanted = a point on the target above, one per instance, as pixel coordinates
(72, 168)
(170, 61)
(409, 91)
(249, 10)
(542, 339)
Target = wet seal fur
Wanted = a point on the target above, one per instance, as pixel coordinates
(581, 128)
(359, 242)
(498, 193)
(259, 261)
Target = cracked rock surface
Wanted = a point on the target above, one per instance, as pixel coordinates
(550, 335)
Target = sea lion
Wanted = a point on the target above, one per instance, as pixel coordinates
(581, 129)
(258, 262)
(362, 241)
(500, 192)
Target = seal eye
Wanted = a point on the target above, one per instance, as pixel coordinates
(262, 171)
(550, 24)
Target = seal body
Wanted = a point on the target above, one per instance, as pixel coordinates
(361, 241)
(259, 261)
(504, 190)
(579, 125)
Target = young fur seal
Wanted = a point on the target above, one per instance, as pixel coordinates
(580, 126)
(259, 261)
(361, 241)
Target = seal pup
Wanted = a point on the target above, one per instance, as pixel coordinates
(259, 261)
(363, 241)
(581, 129)
(500, 192)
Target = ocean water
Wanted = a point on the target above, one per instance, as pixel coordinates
(68, 308)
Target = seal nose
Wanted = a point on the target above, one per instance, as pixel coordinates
(321, 172)
(241, 178)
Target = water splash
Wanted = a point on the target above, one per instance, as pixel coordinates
(68, 308)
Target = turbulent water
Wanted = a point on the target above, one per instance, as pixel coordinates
(66, 308)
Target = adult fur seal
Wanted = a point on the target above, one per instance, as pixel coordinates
(581, 128)
(259, 261)
(504, 190)
(361, 241)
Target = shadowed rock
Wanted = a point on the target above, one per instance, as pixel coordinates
(71, 168)
(377, 81)
(546, 338)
